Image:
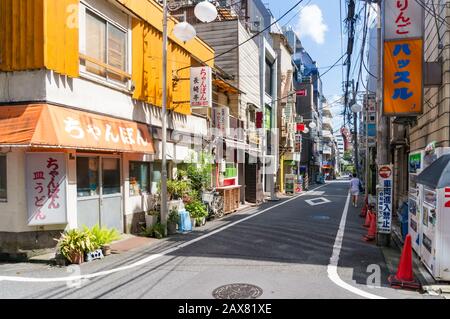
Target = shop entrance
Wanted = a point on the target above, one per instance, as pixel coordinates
(99, 192)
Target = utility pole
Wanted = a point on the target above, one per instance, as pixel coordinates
(355, 132)
(262, 78)
(382, 121)
(164, 206)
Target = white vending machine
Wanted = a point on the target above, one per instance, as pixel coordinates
(415, 163)
(435, 220)
(435, 248)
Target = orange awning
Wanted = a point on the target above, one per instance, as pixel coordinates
(44, 125)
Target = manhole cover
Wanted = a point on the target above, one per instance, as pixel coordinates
(237, 291)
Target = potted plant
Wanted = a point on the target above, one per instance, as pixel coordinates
(156, 231)
(172, 222)
(73, 244)
(198, 213)
(103, 237)
(151, 217)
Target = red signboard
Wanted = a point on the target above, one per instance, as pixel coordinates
(300, 127)
(385, 172)
(302, 93)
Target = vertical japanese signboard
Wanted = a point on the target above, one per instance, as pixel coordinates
(201, 87)
(221, 117)
(46, 188)
(403, 57)
(385, 175)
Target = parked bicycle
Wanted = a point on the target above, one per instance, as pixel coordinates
(214, 203)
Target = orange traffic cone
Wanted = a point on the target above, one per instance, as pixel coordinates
(372, 231)
(405, 277)
(368, 218)
(364, 208)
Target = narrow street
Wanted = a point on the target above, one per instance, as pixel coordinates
(283, 247)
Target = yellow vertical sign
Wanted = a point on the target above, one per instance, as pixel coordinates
(402, 77)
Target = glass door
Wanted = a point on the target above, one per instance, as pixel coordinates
(111, 199)
(99, 192)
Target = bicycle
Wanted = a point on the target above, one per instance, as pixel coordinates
(214, 203)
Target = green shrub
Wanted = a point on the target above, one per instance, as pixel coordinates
(197, 210)
(173, 217)
(156, 231)
(75, 241)
(102, 236)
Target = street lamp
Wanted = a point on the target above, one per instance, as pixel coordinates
(185, 32)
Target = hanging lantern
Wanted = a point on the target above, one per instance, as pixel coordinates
(184, 31)
(205, 11)
(312, 125)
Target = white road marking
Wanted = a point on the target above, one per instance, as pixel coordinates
(149, 258)
(317, 201)
(334, 260)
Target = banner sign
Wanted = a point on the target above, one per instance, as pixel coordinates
(221, 118)
(201, 87)
(403, 80)
(403, 19)
(403, 57)
(385, 176)
(46, 188)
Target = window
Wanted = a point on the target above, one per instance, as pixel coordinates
(2, 178)
(139, 178)
(111, 176)
(87, 176)
(155, 177)
(106, 49)
(268, 76)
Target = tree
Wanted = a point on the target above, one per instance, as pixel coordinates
(348, 156)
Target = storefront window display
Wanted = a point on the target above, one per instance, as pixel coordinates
(139, 178)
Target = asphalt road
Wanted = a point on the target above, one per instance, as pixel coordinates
(282, 247)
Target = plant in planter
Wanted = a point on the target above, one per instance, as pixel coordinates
(73, 244)
(151, 217)
(172, 222)
(156, 231)
(198, 212)
(177, 189)
(103, 237)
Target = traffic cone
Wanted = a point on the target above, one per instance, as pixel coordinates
(405, 277)
(364, 208)
(372, 231)
(368, 218)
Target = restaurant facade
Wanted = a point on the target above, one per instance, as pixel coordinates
(80, 116)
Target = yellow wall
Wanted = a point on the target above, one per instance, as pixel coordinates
(34, 34)
(147, 68)
(37, 34)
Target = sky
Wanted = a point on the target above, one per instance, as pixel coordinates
(318, 23)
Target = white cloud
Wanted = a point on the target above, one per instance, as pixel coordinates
(311, 24)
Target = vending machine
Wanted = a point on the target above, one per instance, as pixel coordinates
(435, 222)
(414, 196)
(435, 248)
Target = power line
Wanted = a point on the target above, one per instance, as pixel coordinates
(254, 36)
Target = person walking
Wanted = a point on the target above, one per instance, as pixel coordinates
(354, 189)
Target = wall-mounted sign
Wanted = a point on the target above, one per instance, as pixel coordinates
(302, 93)
(403, 57)
(46, 188)
(221, 118)
(403, 19)
(385, 199)
(201, 87)
(403, 80)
